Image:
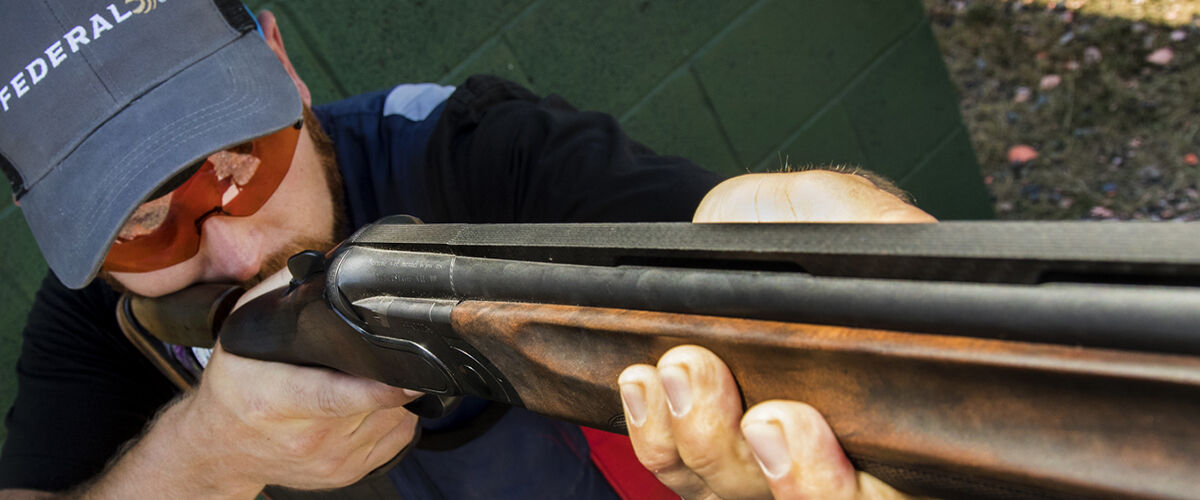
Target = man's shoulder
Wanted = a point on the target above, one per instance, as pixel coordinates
(414, 101)
(56, 305)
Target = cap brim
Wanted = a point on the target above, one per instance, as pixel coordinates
(239, 92)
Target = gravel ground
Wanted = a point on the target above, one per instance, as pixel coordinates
(1080, 109)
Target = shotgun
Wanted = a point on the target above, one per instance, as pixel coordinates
(960, 359)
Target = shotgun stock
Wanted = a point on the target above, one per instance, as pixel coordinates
(987, 360)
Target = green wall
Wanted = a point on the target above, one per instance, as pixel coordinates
(736, 85)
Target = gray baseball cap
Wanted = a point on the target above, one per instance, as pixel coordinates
(103, 101)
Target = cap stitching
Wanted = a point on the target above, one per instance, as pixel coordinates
(143, 158)
(151, 148)
(150, 144)
(82, 137)
(198, 126)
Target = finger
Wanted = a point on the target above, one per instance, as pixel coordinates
(321, 392)
(798, 452)
(649, 425)
(705, 409)
(378, 423)
(317, 391)
(826, 196)
(401, 435)
(273, 282)
(381, 436)
(806, 196)
(732, 200)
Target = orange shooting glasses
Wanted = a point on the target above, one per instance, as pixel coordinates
(235, 182)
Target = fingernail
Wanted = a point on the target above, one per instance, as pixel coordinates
(635, 402)
(412, 394)
(679, 389)
(770, 449)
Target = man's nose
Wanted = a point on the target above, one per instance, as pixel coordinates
(232, 248)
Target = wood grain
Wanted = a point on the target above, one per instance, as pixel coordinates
(933, 414)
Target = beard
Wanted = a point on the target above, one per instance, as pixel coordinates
(323, 145)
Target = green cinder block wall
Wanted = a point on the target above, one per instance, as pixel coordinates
(735, 85)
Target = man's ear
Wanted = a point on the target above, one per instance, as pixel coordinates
(275, 41)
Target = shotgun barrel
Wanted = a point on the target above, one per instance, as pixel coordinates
(992, 360)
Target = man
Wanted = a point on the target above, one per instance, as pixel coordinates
(102, 142)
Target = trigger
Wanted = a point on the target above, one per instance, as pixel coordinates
(433, 405)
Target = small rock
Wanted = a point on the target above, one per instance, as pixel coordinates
(1161, 57)
(1092, 55)
(1049, 82)
(1178, 36)
(1021, 154)
(1191, 159)
(1023, 94)
(1101, 212)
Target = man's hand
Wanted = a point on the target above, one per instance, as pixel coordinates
(252, 423)
(808, 196)
(306, 428)
(685, 414)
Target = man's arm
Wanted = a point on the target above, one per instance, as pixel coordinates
(685, 414)
(253, 423)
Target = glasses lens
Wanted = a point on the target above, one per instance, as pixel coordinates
(236, 182)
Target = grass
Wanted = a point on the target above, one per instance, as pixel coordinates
(1113, 136)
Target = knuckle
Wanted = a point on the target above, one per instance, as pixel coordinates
(258, 409)
(702, 451)
(328, 403)
(704, 462)
(328, 469)
(660, 460)
(305, 445)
